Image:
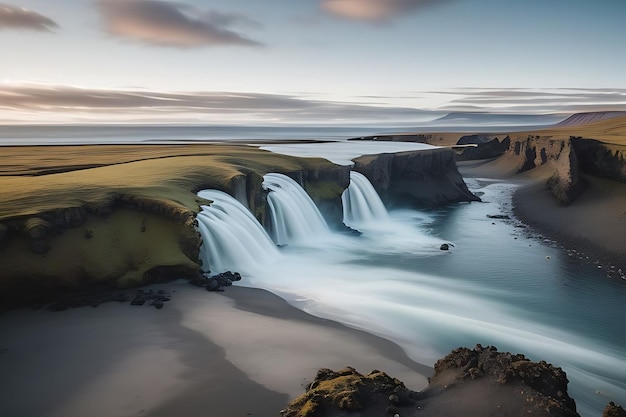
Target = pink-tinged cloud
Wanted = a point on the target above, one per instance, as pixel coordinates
(13, 17)
(375, 11)
(172, 24)
(54, 102)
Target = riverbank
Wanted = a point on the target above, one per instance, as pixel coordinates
(241, 352)
(593, 227)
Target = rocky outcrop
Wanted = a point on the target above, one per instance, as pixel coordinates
(488, 380)
(215, 282)
(347, 391)
(486, 148)
(468, 382)
(415, 179)
(567, 159)
(474, 139)
(565, 183)
(558, 155)
(613, 410)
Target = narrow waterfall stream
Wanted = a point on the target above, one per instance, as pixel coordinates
(294, 215)
(232, 238)
(361, 204)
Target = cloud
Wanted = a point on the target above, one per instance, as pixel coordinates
(23, 103)
(375, 11)
(230, 19)
(26, 101)
(172, 24)
(12, 17)
(534, 101)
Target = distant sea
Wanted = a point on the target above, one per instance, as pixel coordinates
(168, 134)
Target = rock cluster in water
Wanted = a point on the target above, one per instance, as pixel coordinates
(475, 382)
(216, 282)
(613, 410)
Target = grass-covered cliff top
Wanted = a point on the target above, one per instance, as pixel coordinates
(35, 179)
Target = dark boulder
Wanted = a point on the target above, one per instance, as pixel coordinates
(498, 216)
(486, 147)
(216, 282)
(613, 410)
(346, 391)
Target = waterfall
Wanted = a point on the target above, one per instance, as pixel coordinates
(294, 216)
(232, 238)
(361, 203)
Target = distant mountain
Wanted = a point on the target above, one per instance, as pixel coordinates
(498, 119)
(584, 118)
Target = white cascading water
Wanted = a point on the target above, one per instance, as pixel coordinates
(294, 216)
(232, 238)
(361, 203)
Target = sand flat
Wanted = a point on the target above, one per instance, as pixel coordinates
(85, 362)
(242, 352)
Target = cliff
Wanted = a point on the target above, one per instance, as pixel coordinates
(565, 161)
(415, 179)
(486, 147)
(601, 159)
(125, 215)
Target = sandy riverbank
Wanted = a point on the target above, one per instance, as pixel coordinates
(594, 224)
(242, 352)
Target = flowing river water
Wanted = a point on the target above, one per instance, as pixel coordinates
(498, 285)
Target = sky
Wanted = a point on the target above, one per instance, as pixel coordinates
(306, 61)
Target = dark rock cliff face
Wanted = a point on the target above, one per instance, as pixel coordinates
(415, 179)
(568, 158)
(601, 159)
(533, 152)
(484, 150)
(468, 382)
(556, 154)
